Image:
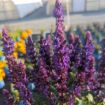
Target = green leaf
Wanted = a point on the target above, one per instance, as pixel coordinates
(90, 97)
(98, 104)
(79, 101)
(72, 75)
(104, 101)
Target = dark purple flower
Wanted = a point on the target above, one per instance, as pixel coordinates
(75, 51)
(90, 61)
(58, 11)
(78, 48)
(100, 84)
(17, 69)
(61, 54)
(9, 99)
(25, 94)
(31, 51)
(45, 51)
(85, 77)
(8, 43)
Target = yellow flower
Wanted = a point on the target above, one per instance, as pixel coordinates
(2, 64)
(22, 46)
(1, 78)
(16, 46)
(29, 31)
(15, 54)
(22, 50)
(2, 74)
(21, 41)
(24, 35)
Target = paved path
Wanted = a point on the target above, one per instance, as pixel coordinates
(46, 22)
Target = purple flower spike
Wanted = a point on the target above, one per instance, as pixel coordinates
(75, 51)
(45, 51)
(58, 11)
(43, 78)
(25, 94)
(61, 54)
(31, 51)
(78, 49)
(85, 77)
(88, 36)
(17, 70)
(89, 47)
(101, 75)
(9, 99)
(7, 43)
(71, 38)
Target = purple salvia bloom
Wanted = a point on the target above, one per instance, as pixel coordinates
(17, 70)
(59, 34)
(49, 40)
(45, 51)
(42, 84)
(75, 51)
(53, 99)
(71, 38)
(89, 47)
(18, 77)
(80, 81)
(32, 56)
(61, 53)
(43, 81)
(101, 75)
(71, 100)
(78, 48)
(61, 58)
(8, 43)
(85, 76)
(58, 11)
(9, 99)
(45, 69)
(71, 51)
(25, 94)
(30, 50)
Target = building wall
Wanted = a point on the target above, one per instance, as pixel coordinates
(91, 5)
(14, 9)
(78, 5)
(8, 10)
(25, 7)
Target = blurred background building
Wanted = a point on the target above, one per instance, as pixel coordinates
(79, 5)
(13, 9)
